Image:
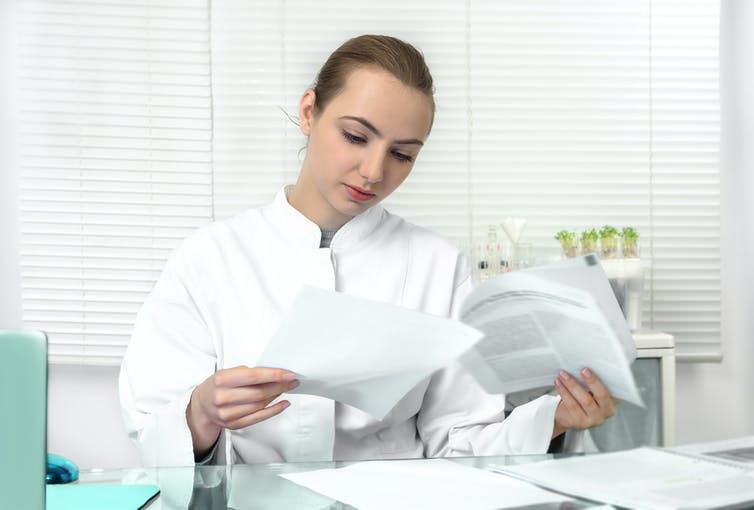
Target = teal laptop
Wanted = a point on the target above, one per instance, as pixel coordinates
(24, 470)
(23, 427)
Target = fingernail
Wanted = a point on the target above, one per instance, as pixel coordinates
(288, 376)
(586, 372)
(293, 384)
(286, 404)
(564, 375)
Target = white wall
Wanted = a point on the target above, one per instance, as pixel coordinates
(717, 400)
(84, 421)
(714, 401)
(10, 284)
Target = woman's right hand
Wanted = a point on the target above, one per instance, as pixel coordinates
(235, 398)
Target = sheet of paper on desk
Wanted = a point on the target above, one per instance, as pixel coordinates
(362, 353)
(739, 450)
(424, 483)
(649, 478)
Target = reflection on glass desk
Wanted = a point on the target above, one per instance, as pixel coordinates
(258, 486)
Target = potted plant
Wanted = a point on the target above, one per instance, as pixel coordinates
(608, 242)
(629, 242)
(589, 241)
(569, 242)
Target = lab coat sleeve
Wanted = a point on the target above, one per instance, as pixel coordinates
(170, 353)
(459, 418)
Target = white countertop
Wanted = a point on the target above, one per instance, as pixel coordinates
(648, 339)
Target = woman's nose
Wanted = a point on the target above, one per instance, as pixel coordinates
(372, 168)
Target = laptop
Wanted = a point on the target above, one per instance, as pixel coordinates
(23, 427)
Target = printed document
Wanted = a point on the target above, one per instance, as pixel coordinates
(516, 332)
(738, 450)
(647, 478)
(534, 327)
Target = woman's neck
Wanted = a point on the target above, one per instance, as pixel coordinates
(314, 207)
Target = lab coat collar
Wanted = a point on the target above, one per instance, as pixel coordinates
(306, 234)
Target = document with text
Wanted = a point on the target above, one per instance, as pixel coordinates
(534, 327)
(516, 332)
(647, 478)
(739, 450)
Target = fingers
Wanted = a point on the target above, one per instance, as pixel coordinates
(230, 414)
(258, 416)
(241, 395)
(248, 388)
(576, 392)
(235, 398)
(251, 376)
(570, 412)
(599, 392)
(251, 394)
(581, 408)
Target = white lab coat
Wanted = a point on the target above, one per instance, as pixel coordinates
(221, 297)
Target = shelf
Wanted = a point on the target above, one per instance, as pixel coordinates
(648, 339)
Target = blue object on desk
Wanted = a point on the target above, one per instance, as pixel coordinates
(100, 497)
(60, 469)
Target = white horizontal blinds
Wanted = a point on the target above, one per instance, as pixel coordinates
(560, 108)
(572, 114)
(116, 161)
(250, 111)
(595, 112)
(685, 173)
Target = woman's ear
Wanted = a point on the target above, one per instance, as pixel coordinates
(306, 112)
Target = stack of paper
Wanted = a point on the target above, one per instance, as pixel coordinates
(647, 478)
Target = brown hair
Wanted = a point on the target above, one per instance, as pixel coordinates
(393, 55)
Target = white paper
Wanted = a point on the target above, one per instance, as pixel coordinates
(586, 273)
(739, 450)
(360, 352)
(421, 484)
(649, 478)
(534, 328)
(369, 355)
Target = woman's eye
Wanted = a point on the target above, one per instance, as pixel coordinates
(351, 138)
(402, 157)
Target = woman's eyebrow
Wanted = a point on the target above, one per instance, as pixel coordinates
(364, 122)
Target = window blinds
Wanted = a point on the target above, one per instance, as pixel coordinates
(116, 161)
(569, 113)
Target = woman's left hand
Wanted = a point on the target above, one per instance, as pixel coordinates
(580, 408)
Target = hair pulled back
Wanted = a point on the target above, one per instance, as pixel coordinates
(390, 54)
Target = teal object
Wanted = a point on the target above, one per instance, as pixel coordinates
(100, 497)
(60, 469)
(23, 428)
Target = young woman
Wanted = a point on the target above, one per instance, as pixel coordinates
(189, 382)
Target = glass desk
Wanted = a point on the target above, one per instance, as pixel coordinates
(258, 486)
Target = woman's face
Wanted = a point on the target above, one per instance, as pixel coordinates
(362, 146)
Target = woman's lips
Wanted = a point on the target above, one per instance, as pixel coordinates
(358, 194)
